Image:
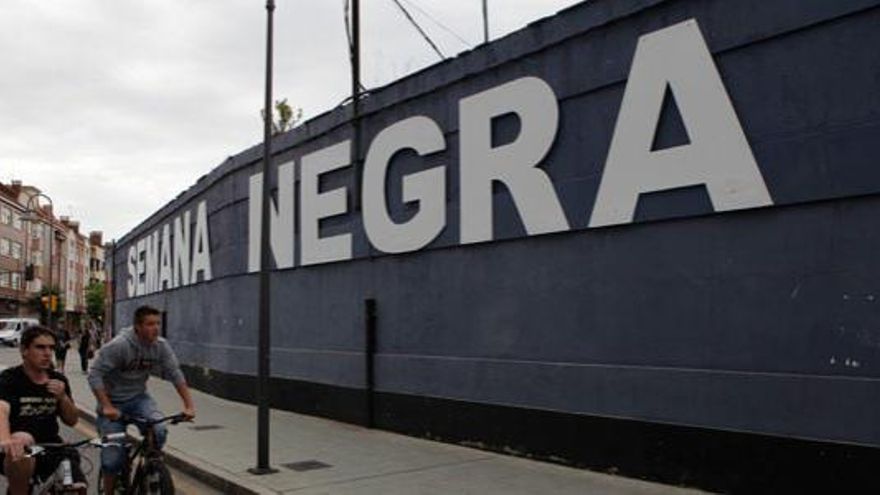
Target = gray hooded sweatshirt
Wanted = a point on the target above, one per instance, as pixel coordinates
(124, 364)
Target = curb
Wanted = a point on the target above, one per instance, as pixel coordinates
(198, 469)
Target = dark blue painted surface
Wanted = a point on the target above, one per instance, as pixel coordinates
(762, 320)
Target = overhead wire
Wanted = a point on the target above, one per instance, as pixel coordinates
(409, 17)
(419, 29)
(442, 26)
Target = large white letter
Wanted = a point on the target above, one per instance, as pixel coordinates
(181, 250)
(514, 164)
(315, 205)
(718, 154)
(255, 203)
(141, 284)
(201, 256)
(132, 271)
(166, 266)
(152, 262)
(428, 187)
(280, 220)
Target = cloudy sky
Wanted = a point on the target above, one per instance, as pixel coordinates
(113, 107)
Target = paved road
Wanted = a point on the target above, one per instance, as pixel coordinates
(183, 483)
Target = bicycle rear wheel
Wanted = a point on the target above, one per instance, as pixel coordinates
(154, 480)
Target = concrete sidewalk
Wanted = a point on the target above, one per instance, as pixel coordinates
(221, 445)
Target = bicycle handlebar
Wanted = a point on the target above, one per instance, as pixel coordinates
(110, 440)
(147, 422)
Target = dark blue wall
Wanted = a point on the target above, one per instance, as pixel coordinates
(761, 320)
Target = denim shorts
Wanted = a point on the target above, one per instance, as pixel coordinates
(140, 406)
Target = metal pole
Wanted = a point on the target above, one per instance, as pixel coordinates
(264, 347)
(51, 244)
(485, 21)
(34, 216)
(23, 281)
(355, 100)
(370, 364)
(112, 281)
(356, 54)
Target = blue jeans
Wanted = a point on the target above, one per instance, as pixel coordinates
(140, 406)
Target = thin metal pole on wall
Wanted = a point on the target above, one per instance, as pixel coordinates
(264, 346)
(112, 281)
(369, 365)
(485, 21)
(355, 55)
(355, 99)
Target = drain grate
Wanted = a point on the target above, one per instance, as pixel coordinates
(306, 465)
(205, 427)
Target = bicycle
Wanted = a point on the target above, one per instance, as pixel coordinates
(61, 480)
(151, 477)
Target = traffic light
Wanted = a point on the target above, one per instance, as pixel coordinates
(50, 302)
(29, 272)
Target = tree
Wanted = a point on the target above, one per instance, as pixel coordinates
(285, 117)
(95, 293)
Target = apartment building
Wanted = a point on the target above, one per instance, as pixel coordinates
(73, 248)
(58, 253)
(13, 239)
(97, 258)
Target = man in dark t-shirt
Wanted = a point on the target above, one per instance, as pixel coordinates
(32, 398)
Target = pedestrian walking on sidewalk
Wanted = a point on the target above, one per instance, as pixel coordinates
(62, 344)
(118, 378)
(85, 348)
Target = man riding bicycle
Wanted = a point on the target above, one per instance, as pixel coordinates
(32, 398)
(118, 378)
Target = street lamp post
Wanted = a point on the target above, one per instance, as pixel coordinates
(23, 275)
(264, 347)
(32, 217)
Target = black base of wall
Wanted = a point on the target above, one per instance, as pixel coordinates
(709, 459)
(315, 399)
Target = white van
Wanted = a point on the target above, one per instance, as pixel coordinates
(11, 329)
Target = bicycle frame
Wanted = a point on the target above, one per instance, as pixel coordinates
(61, 480)
(145, 453)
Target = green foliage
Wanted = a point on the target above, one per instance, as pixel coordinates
(285, 117)
(95, 300)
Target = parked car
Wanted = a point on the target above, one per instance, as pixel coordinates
(11, 329)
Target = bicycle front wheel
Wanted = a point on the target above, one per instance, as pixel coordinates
(121, 487)
(154, 480)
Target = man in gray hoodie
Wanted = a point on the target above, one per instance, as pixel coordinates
(118, 378)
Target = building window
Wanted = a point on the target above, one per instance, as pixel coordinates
(5, 215)
(16, 220)
(16, 250)
(4, 279)
(16, 281)
(4, 247)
